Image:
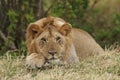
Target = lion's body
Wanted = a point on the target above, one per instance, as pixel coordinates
(57, 41)
(84, 44)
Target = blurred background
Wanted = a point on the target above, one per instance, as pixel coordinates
(100, 18)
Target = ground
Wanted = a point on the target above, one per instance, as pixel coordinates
(101, 67)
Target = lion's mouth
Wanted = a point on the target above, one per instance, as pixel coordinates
(53, 58)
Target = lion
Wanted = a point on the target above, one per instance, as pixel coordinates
(53, 40)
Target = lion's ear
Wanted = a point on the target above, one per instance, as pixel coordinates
(65, 29)
(32, 30)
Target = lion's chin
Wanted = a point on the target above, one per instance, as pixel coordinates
(53, 62)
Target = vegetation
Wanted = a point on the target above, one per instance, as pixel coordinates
(103, 67)
(101, 18)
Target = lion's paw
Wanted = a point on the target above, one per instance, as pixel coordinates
(34, 60)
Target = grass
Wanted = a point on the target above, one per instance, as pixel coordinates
(103, 67)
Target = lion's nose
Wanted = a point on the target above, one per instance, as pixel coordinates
(52, 52)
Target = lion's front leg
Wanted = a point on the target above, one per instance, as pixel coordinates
(34, 60)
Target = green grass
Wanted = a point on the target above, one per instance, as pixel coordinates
(102, 67)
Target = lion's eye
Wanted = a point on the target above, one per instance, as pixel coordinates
(58, 39)
(43, 39)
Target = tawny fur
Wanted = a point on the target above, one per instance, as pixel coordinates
(76, 42)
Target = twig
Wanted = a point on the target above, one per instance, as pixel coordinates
(3, 36)
(88, 11)
(46, 12)
(12, 45)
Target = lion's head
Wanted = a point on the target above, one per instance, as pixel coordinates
(49, 40)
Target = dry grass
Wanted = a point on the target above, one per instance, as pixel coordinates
(103, 67)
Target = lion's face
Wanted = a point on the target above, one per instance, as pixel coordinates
(49, 40)
(51, 44)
